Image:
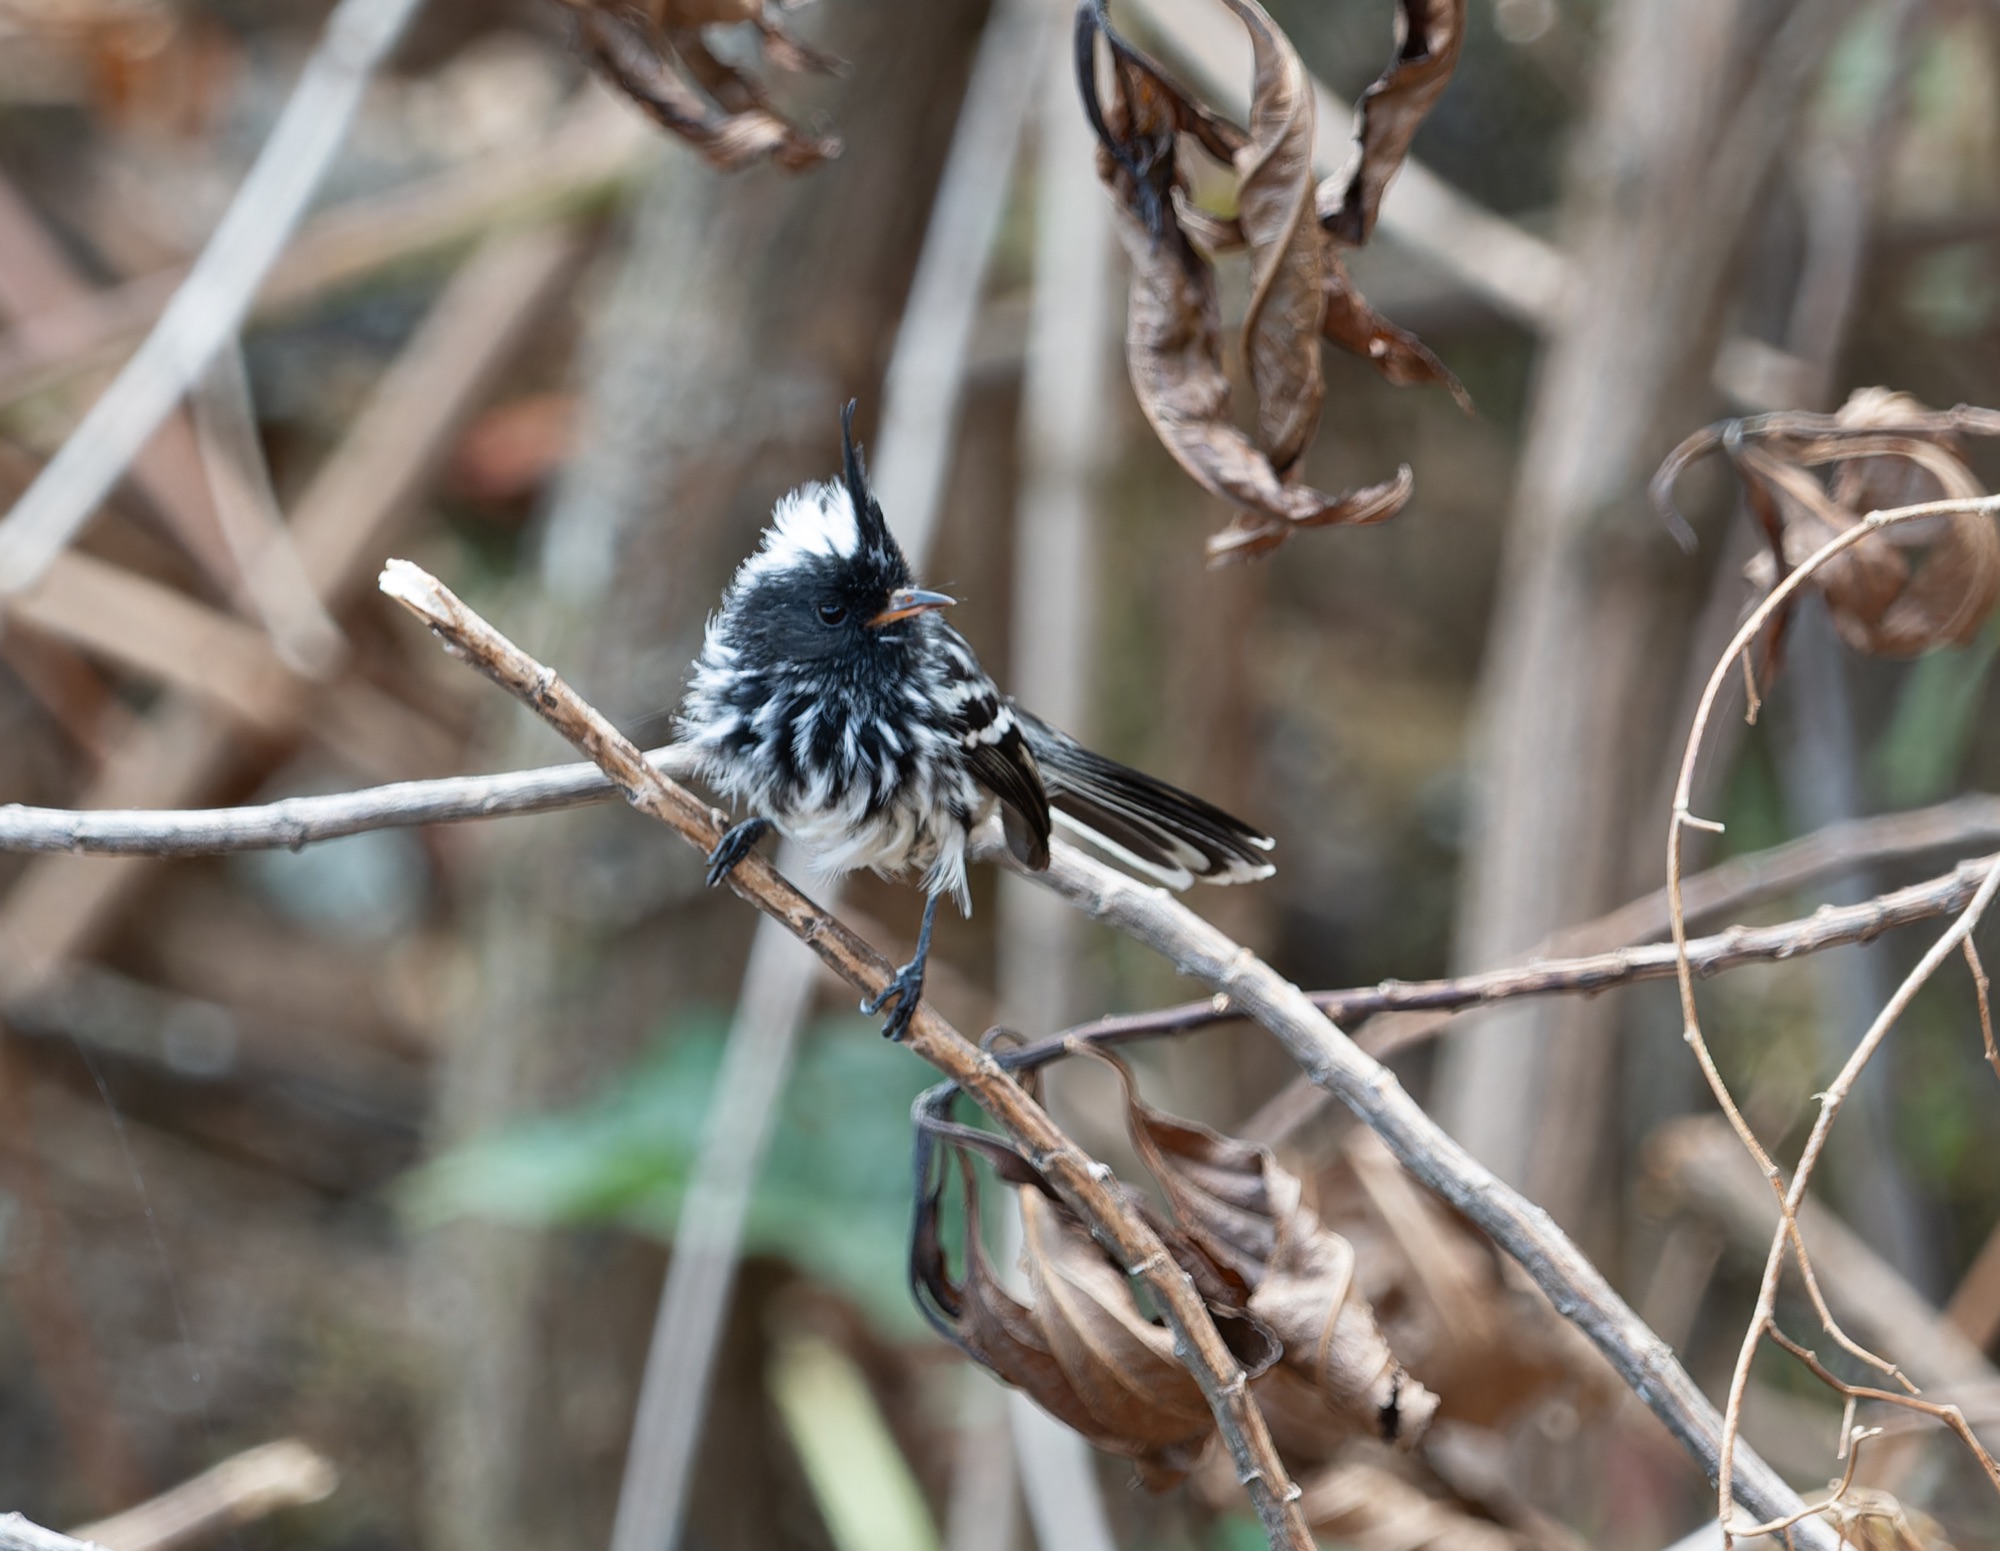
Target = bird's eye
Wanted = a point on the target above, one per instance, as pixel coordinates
(832, 613)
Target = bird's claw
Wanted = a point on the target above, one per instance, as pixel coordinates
(735, 844)
(906, 989)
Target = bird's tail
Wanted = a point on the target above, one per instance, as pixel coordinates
(1161, 830)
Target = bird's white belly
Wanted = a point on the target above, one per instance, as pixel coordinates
(842, 836)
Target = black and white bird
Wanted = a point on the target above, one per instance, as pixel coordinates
(833, 700)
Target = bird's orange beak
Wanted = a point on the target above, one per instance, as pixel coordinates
(905, 601)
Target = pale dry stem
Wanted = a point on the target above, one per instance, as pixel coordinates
(1981, 987)
(1788, 1198)
(1851, 1394)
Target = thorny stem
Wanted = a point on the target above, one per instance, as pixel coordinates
(1949, 1414)
(1761, 1321)
(1523, 1230)
(1827, 927)
(1788, 1231)
(1085, 1185)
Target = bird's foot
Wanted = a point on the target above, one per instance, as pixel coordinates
(735, 844)
(905, 989)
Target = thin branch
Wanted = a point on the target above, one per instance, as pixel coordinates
(1787, 1234)
(210, 304)
(1575, 1286)
(295, 822)
(1938, 1411)
(1963, 822)
(1828, 927)
(1789, 1198)
(1085, 1185)
(1981, 987)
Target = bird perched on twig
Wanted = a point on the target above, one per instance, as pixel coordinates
(833, 699)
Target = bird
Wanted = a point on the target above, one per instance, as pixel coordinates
(832, 700)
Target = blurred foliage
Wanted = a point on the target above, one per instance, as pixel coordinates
(1937, 711)
(833, 1197)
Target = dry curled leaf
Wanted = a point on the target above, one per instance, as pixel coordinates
(1288, 251)
(655, 54)
(1281, 1287)
(1899, 592)
(1081, 1347)
(1173, 336)
(1338, 1377)
(1462, 1316)
(1398, 354)
(1429, 34)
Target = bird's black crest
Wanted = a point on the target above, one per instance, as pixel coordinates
(868, 518)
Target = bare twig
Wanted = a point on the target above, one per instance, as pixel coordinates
(243, 1488)
(1828, 927)
(1961, 823)
(295, 822)
(1787, 1234)
(1084, 1185)
(1981, 986)
(1576, 1287)
(210, 304)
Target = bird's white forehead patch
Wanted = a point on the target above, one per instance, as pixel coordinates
(812, 522)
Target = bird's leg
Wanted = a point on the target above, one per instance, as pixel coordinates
(907, 984)
(735, 844)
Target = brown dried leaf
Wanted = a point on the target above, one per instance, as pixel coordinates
(1246, 1213)
(1082, 1348)
(1254, 533)
(1120, 1364)
(986, 1321)
(1429, 34)
(1905, 590)
(1463, 1317)
(1398, 355)
(1173, 334)
(1288, 251)
(643, 54)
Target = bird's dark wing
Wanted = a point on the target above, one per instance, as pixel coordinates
(1159, 829)
(1007, 769)
(989, 729)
